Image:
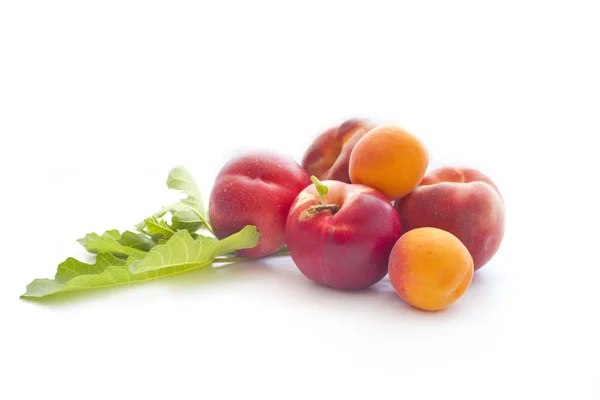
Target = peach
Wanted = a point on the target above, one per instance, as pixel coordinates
(328, 156)
(344, 239)
(256, 189)
(461, 201)
(389, 159)
(430, 268)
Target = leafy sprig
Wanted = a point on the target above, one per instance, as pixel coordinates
(179, 254)
(158, 249)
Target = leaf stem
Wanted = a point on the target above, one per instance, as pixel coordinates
(281, 252)
(234, 258)
(204, 221)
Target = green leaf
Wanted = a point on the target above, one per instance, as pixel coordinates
(159, 227)
(180, 179)
(71, 268)
(112, 234)
(107, 243)
(186, 219)
(184, 252)
(136, 240)
(179, 254)
(322, 189)
(189, 213)
(72, 275)
(140, 226)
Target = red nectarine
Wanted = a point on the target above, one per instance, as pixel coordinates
(344, 239)
(328, 156)
(258, 190)
(461, 201)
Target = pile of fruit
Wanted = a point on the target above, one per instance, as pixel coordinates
(358, 208)
(344, 231)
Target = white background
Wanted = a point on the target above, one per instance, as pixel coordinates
(99, 100)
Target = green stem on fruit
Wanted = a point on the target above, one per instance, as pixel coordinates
(322, 189)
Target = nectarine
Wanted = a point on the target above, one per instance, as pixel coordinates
(256, 189)
(328, 156)
(344, 239)
(462, 201)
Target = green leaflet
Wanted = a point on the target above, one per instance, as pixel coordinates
(158, 227)
(109, 242)
(180, 179)
(136, 240)
(189, 213)
(182, 251)
(112, 234)
(186, 219)
(140, 226)
(179, 254)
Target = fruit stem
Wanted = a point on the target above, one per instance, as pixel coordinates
(232, 258)
(323, 207)
(321, 189)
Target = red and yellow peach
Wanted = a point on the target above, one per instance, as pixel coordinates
(462, 201)
(328, 156)
(344, 239)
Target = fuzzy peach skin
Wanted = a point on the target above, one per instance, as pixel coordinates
(256, 189)
(328, 156)
(430, 268)
(462, 201)
(343, 240)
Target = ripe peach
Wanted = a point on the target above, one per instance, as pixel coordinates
(389, 159)
(256, 189)
(462, 201)
(430, 268)
(328, 156)
(344, 239)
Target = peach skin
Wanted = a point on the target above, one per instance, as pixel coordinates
(342, 240)
(328, 156)
(256, 189)
(461, 201)
(430, 268)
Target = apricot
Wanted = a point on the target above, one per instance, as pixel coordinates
(430, 268)
(328, 156)
(256, 189)
(390, 160)
(462, 201)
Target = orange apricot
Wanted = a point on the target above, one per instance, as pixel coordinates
(430, 268)
(390, 160)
